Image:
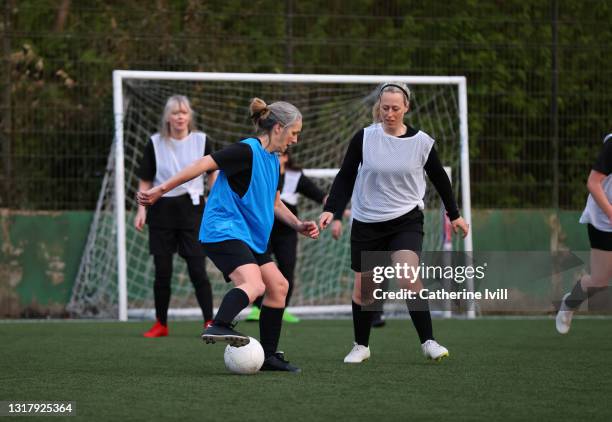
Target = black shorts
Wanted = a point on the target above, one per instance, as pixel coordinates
(231, 254)
(600, 239)
(401, 233)
(163, 241)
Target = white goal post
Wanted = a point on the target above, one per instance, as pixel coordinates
(121, 77)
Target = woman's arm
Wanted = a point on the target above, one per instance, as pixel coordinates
(344, 182)
(439, 178)
(141, 214)
(192, 171)
(284, 214)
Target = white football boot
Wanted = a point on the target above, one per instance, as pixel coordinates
(564, 316)
(358, 354)
(432, 350)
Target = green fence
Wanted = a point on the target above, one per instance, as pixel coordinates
(41, 251)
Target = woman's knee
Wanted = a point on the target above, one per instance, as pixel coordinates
(259, 288)
(249, 278)
(279, 288)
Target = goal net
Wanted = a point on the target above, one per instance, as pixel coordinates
(115, 278)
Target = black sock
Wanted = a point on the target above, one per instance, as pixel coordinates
(362, 324)
(258, 301)
(162, 302)
(233, 302)
(421, 317)
(576, 297)
(161, 286)
(204, 297)
(270, 324)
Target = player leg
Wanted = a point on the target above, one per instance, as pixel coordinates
(162, 245)
(193, 253)
(238, 264)
(247, 279)
(285, 250)
(378, 317)
(594, 286)
(362, 321)
(407, 246)
(361, 297)
(597, 285)
(196, 265)
(255, 312)
(161, 295)
(271, 319)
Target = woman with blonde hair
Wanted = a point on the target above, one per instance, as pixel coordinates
(174, 220)
(384, 171)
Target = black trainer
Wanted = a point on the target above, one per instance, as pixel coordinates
(216, 333)
(277, 362)
(378, 319)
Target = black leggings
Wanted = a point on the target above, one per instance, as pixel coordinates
(196, 266)
(284, 248)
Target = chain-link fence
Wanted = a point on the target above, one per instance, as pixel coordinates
(539, 79)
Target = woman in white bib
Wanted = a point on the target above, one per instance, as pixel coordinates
(174, 221)
(597, 216)
(383, 174)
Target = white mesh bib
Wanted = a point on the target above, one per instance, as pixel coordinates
(391, 178)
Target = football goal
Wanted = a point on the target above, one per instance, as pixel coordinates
(115, 278)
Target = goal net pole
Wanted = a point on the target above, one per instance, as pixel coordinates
(465, 185)
(120, 196)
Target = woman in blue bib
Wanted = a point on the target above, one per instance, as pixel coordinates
(238, 220)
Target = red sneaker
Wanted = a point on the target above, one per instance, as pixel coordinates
(157, 330)
(208, 323)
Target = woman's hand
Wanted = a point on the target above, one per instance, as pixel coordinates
(308, 229)
(325, 219)
(460, 224)
(140, 219)
(149, 197)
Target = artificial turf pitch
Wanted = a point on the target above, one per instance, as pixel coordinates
(498, 369)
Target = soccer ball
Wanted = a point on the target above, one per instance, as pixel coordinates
(246, 359)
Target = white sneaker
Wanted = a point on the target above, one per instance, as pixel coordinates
(564, 317)
(432, 350)
(358, 354)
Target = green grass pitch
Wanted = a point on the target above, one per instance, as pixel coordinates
(498, 369)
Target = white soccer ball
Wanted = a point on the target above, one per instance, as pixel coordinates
(246, 359)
